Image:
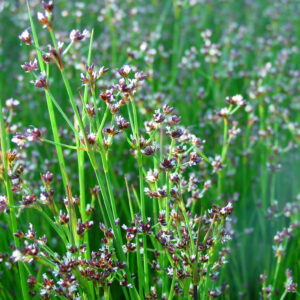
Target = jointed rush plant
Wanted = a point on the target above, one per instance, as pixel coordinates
(148, 233)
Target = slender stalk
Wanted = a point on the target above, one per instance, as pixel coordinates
(142, 195)
(176, 37)
(225, 138)
(223, 156)
(81, 171)
(53, 123)
(171, 292)
(112, 30)
(167, 208)
(138, 255)
(54, 126)
(62, 145)
(283, 295)
(63, 114)
(106, 293)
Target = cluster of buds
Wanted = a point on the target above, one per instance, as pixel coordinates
(30, 66)
(48, 286)
(168, 164)
(210, 50)
(237, 100)
(233, 131)
(282, 235)
(77, 36)
(290, 285)
(30, 135)
(217, 164)
(291, 209)
(34, 134)
(54, 55)
(41, 82)
(279, 239)
(63, 218)
(46, 17)
(91, 138)
(71, 200)
(190, 60)
(31, 235)
(29, 253)
(136, 227)
(267, 291)
(12, 103)
(47, 178)
(15, 169)
(108, 234)
(3, 204)
(25, 37)
(92, 76)
(29, 200)
(152, 176)
(31, 281)
(19, 139)
(83, 227)
(121, 122)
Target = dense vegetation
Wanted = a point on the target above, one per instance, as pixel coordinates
(149, 149)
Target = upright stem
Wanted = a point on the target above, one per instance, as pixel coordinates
(59, 151)
(225, 139)
(283, 295)
(50, 107)
(276, 272)
(223, 155)
(113, 36)
(175, 49)
(142, 196)
(80, 161)
(54, 127)
(167, 208)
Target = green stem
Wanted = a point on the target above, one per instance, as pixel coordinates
(62, 145)
(276, 272)
(223, 156)
(142, 195)
(54, 128)
(171, 293)
(175, 49)
(114, 44)
(283, 295)
(81, 171)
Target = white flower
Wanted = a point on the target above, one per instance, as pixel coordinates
(17, 255)
(25, 37)
(170, 271)
(152, 176)
(25, 34)
(19, 139)
(40, 16)
(10, 103)
(125, 250)
(125, 70)
(238, 100)
(43, 19)
(76, 35)
(217, 164)
(224, 111)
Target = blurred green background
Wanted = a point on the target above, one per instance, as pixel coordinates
(163, 37)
